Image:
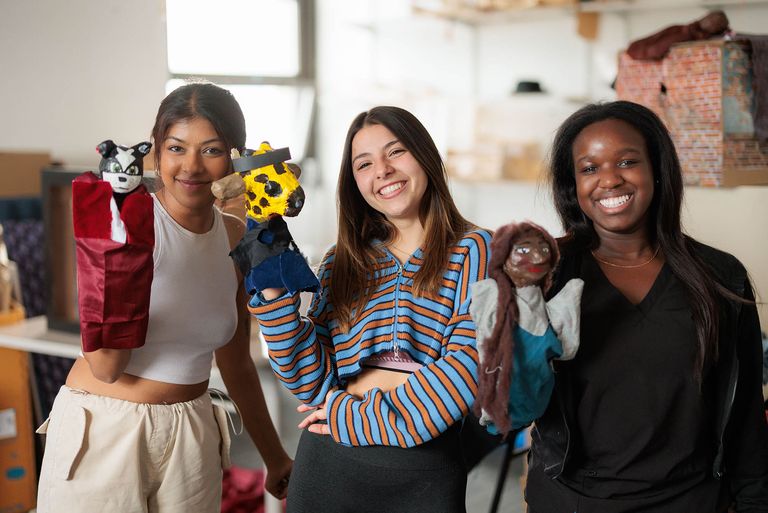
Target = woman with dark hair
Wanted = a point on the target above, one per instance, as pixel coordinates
(661, 410)
(385, 358)
(135, 429)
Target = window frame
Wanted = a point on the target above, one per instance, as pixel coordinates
(305, 78)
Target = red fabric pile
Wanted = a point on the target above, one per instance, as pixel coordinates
(242, 491)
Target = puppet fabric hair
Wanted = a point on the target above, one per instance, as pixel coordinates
(495, 371)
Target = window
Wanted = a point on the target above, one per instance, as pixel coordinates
(262, 51)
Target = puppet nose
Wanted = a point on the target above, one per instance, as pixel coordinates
(122, 178)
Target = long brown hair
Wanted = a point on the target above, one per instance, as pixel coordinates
(495, 370)
(360, 224)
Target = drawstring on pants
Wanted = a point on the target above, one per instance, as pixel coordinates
(223, 396)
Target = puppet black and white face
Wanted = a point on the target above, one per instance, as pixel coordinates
(121, 166)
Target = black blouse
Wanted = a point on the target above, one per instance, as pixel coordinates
(644, 430)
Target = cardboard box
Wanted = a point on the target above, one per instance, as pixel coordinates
(483, 163)
(18, 480)
(523, 161)
(20, 173)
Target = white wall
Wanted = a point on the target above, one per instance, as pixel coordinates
(77, 72)
(373, 52)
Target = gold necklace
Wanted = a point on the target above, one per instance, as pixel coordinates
(653, 257)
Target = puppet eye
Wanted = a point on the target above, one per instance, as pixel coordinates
(133, 170)
(522, 250)
(114, 167)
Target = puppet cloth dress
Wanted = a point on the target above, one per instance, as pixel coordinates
(545, 330)
(114, 278)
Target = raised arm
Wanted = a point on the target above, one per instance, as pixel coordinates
(300, 349)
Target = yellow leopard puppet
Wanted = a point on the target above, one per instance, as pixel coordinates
(267, 255)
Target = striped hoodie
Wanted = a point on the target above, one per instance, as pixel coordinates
(310, 355)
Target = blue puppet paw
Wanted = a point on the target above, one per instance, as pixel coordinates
(288, 270)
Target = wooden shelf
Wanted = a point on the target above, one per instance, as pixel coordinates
(33, 335)
(619, 6)
(474, 16)
(489, 16)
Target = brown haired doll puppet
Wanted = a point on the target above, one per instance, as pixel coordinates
(113, 220)
(518, 333)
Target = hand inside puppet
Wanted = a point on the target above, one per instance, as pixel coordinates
(267, 255)
(114, 236)
(519, 333)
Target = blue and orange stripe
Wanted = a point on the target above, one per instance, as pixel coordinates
(311, 355)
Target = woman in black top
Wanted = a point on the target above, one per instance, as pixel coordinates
(661, 410)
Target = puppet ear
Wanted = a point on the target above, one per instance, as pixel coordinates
(105, 148)
(143, 147)
(294, 168)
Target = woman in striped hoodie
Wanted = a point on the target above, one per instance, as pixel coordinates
(385, 360)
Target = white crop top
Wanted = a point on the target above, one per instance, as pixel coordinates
(192, 309)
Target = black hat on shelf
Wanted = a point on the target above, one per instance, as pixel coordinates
(528, 86)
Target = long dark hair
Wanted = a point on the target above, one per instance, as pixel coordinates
(495, 369)
(201, 100)
(360, 224)
(664, 212)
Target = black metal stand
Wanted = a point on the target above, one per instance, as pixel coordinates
(508, 455)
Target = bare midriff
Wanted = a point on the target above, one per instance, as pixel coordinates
(370, 378)
(132, 388)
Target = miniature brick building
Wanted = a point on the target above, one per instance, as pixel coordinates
(703, 91)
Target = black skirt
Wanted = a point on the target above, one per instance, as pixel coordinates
(331, 478)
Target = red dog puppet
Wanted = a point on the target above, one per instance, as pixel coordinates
(114, 235)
